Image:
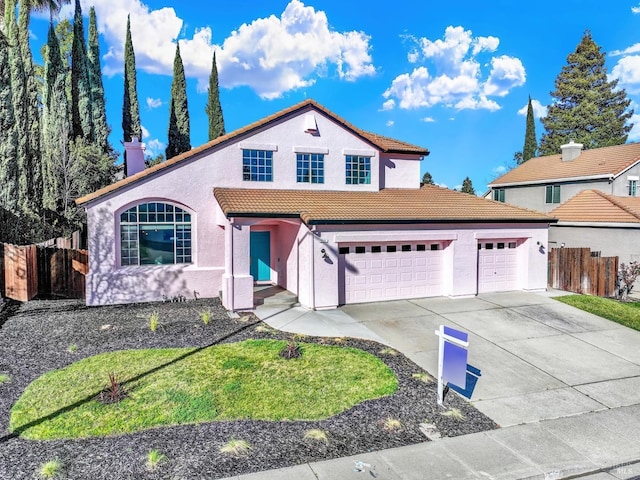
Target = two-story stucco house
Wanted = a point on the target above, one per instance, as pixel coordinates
(593, 194)
(307, 201)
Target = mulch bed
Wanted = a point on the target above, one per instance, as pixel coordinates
(35, 338)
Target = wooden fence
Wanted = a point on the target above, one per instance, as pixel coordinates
(575, 270)
(27, 271)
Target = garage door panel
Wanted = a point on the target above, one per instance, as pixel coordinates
(497, 267)
(393, 275)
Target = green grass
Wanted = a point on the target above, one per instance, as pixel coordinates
(154, 457)
(246, 380)
(4, 378)
(625, 313)
(50, 469)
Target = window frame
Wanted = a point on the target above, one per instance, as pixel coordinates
(155, 216)
(357, 170)
(257, 165)
(498, 194)
(552, 194)
(313, 164)
(633, 188)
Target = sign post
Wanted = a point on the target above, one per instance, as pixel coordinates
(452, 359)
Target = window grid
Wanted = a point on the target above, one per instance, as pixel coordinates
(358, 170)
(257, 165)
(633, 188)
(310, 168)
(147, 217)
(498, 195)
(552, 194)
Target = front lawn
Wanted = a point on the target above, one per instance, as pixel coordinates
(245, 380)
(624, 313)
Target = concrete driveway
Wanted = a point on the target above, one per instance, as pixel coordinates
(539, 359)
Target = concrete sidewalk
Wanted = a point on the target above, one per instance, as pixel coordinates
(563, 384)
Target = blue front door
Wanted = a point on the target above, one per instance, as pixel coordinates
(260, 252)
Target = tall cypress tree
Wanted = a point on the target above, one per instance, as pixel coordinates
(130, 108)
(8, 139)
(19, 104)
(530, 142)
(81, 116)
(178, 111)
(587, 108)
(33, 161)
(213, 108)
(98, 110)
(467, 186)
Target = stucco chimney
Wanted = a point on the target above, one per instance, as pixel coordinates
(135, 156)
(571, 151)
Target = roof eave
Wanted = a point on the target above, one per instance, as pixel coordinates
(606, 176)
(425, 221)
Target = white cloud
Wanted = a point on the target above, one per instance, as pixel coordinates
(635, 9)
(153, 103)
(500, 170)
(413, 56)
(388, 105)
(270, 55)
(390, 123)
(539, 110)
(428, 119)
(635, 48)
(145, 132)
(154, 147)
(455, 77)
(634, 134)
(627, 71)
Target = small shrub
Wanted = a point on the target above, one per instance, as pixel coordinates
(154, 321)
(423, 377)
(114, 392)
(291, 350)
(72, 348)
(236, 447)
(627, 275)
(154, 457)
(388, 351)
(392, 424)
(264, 328)
(205, 316)
(50, 469)
(317, 435)
(454, 413)
(4, 378)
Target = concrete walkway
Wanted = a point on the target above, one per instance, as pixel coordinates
(563, 384)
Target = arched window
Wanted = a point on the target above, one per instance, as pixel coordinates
(155, 234)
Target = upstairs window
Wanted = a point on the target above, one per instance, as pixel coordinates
(358, 170)
(257, 165)
(155, 234)
(633, 188)
(552, 194)
(310, 168)
(498, 195)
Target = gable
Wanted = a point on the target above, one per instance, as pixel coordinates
(594, 206)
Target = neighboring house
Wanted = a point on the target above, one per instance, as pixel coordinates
(307, 201)
(605, 223)
(543, 183)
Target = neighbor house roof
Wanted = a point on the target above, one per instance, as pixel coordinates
(429, 204)
(603, 162)
(384, 144)
(594, 206)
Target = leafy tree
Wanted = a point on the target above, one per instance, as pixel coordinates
(130, 107)
(8, 140)
(530, 142)
(81, 102)
(426, 179)
(100, 127)
(213, 108)
(467, 186)
(178, 141)
(586, 108)
(150, 161)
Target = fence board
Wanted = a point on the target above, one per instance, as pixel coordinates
(20, 272)
(576, 270)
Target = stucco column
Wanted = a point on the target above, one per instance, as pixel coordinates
(237, 283)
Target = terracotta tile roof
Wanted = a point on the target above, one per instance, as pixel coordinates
(603, 162)
(595, 206)
(384, 144)
(427, 204)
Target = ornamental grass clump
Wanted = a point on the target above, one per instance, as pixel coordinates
(154, 321)
(205, 316)
(50, 469)
(236, 447)
(317, 435)
(114, 392)
(154, 458)
(291, 350)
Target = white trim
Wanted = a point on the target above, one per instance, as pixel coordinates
(626, 169)
(355, 151)
(393, 237)
(597, 224)
(633, 177)
(510, 235)
(323, 150)
(257, 146)
(605, 176)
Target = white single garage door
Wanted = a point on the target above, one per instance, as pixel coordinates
(497, 265)
(391, 271)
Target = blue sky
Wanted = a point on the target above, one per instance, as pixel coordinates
(453, 77)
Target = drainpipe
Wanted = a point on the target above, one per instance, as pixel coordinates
(231, 289)
(313, 269)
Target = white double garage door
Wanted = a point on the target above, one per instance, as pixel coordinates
(392, 271)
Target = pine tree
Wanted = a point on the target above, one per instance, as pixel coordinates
(427, 179)
(130, 107)
(178, 141)
(530, 142)
(467, 186)
(100, 127)
(81, 102)
(8, 139)
(586, 108)
(213, 108)
(19, 105)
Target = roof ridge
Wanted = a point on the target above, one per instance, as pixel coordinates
(614, 199)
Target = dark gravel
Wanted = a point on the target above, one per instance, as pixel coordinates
(35, 338)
